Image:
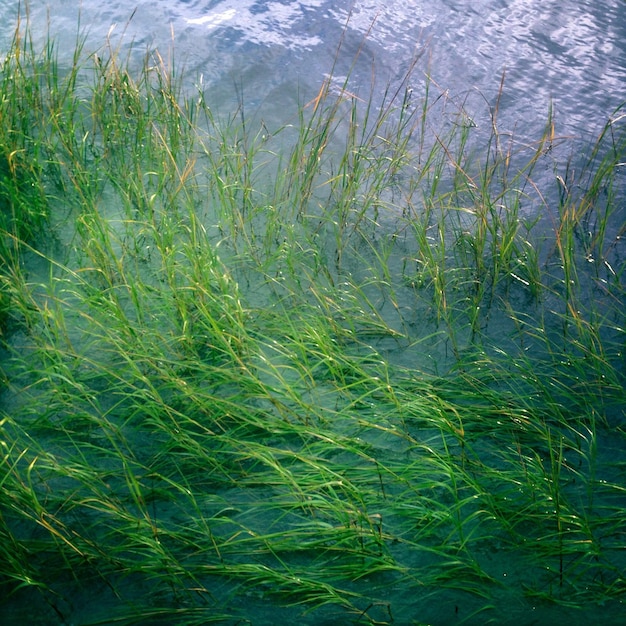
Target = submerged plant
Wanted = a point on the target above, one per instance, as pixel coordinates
(336, 367)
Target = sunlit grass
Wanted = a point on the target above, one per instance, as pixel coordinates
(362, 367)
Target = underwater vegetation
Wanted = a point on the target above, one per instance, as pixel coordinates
(366, 366)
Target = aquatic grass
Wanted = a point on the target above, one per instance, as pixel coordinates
(330, 365)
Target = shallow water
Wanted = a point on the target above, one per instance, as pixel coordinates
(273, 55)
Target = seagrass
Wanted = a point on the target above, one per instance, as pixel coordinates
(333, 370)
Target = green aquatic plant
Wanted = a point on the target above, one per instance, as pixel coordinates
(327, 368)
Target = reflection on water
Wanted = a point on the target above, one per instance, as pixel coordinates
(571, 53)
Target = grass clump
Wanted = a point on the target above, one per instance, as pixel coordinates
(358, 367)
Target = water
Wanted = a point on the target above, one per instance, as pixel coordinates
(571, 54)
(274, 55)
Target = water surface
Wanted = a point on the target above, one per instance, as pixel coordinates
(272, 56)
(571, 54)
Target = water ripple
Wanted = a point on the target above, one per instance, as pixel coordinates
(569, 52)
